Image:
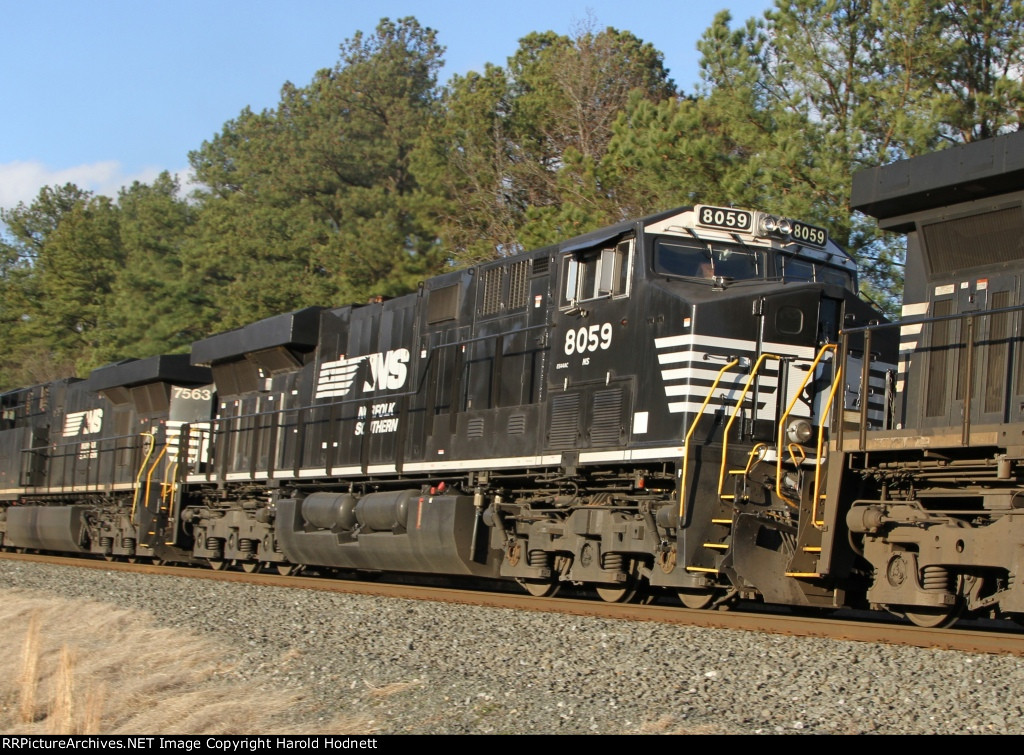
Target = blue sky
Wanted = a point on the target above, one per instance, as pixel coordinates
(104, 92)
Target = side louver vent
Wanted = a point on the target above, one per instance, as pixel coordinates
(606, 428)
(565, 415)
(475, 428)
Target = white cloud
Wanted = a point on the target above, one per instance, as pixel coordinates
(22, 181)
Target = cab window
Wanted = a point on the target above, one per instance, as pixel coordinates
(704, 260)
(597, 273)
(794, 269)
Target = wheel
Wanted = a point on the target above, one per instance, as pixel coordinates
(934, 618)
(216, 563)
(618, 594)
(539, 588)
(627, 592)
(250, 567)
(697, 599)
(285, 569)
(938, 617)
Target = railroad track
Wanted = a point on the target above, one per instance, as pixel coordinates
(968, 636)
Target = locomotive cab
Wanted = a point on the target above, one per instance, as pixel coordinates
(693, 365)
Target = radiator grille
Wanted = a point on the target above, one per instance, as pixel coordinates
(490, 297)
(985, 239)
(443, 304)
(518, 290)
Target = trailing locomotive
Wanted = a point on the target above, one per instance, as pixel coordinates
(696, 403)
(935, 503)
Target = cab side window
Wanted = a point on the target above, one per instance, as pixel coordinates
(602, 272)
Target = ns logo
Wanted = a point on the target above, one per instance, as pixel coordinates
(388, 370)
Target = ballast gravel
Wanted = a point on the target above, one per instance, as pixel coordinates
(473, 670)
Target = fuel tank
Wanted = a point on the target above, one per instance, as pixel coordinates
(48, 528)
(403, 530)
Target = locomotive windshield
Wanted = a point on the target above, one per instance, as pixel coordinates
(693, 258)
(705, 260)
(794, 269)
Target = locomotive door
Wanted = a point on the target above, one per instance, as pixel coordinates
(972, 358)
(589, 396)
(941, 400)
(997, 391)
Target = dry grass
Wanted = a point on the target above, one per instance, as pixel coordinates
(81, 667)
(28, 679)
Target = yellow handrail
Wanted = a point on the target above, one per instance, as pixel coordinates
(138, 477)
(792, 449)
(168, 490)
(689, 433)
(170, 484)
(821, 439)
(149, 481)
(149, 477)
(735, 413)
(754, 453)
(785, 416)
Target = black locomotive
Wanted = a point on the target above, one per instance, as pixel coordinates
(696, 404)
(934, 503)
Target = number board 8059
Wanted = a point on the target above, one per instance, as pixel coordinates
(809, 235)
(725, 217)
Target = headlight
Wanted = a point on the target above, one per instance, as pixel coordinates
(799, 431)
